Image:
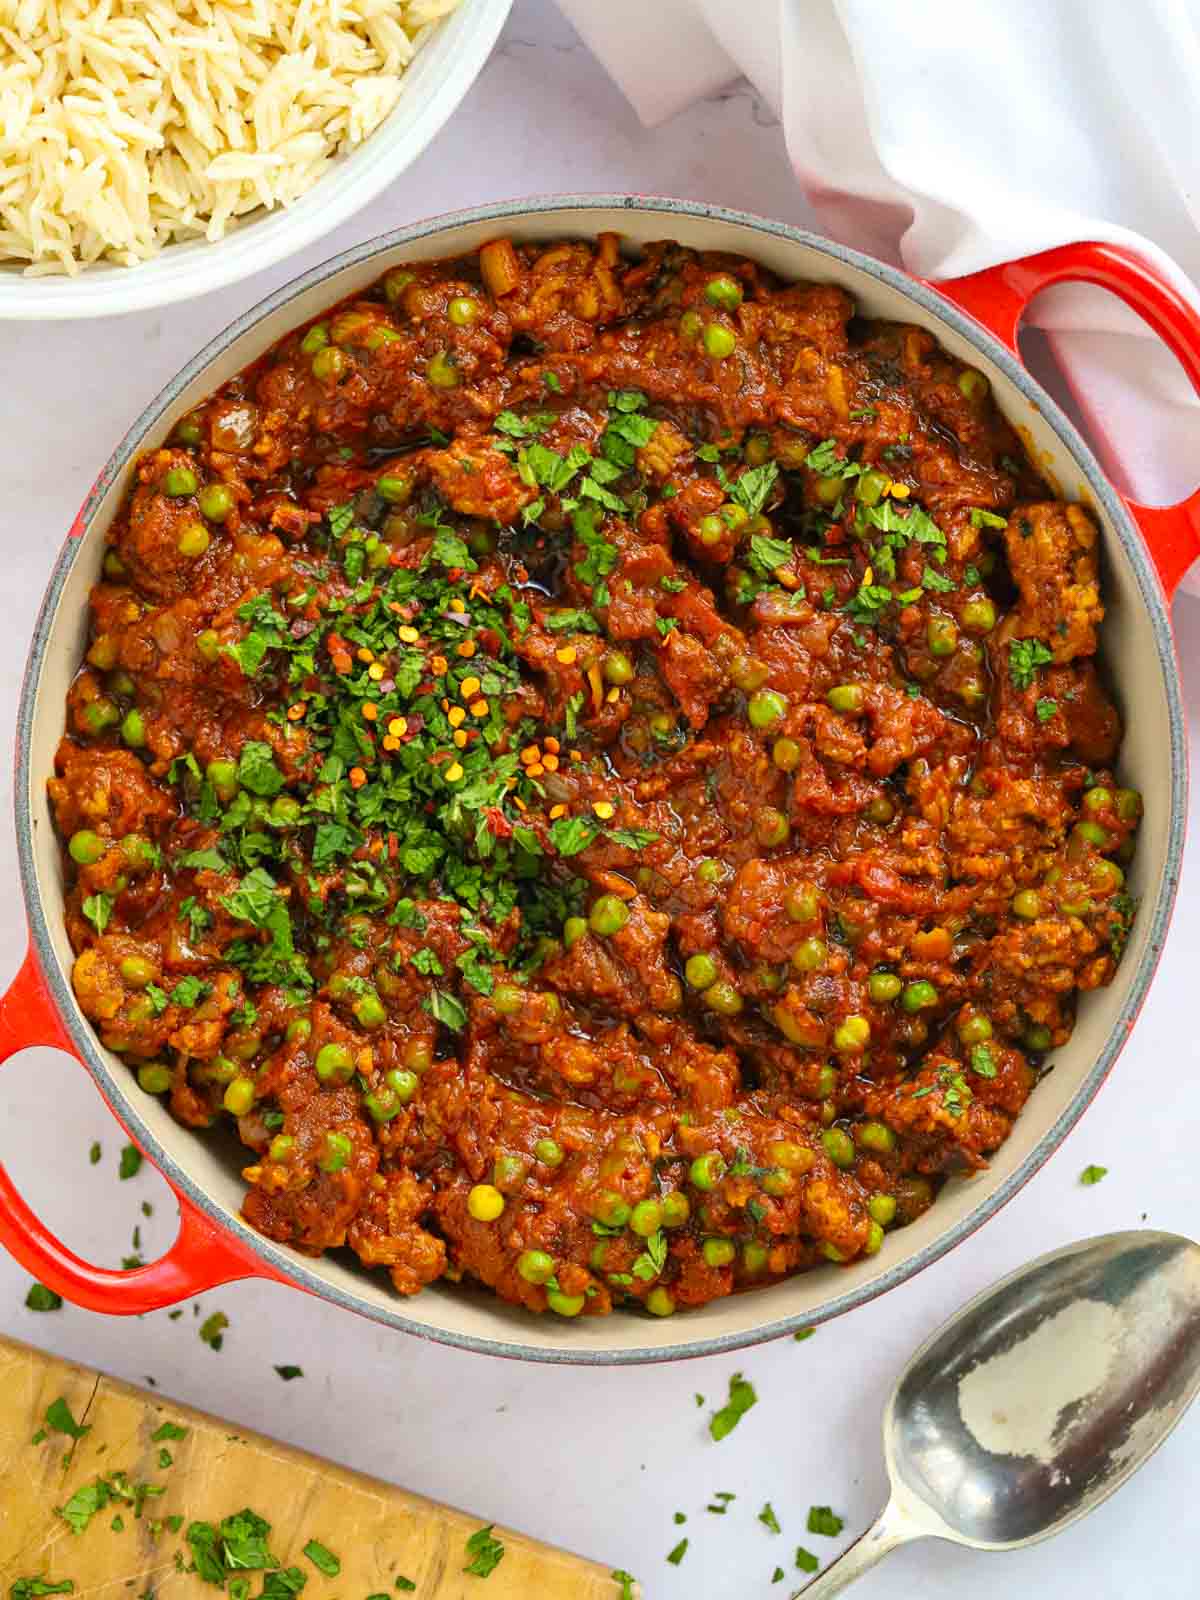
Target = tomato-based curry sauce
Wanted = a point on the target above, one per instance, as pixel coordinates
(596, 767)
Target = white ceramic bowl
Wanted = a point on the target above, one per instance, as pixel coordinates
(433, 86)
(215, 1245)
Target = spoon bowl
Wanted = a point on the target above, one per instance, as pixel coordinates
(1038, 1399)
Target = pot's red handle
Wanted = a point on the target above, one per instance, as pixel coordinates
(998, 297)
(202, 1256)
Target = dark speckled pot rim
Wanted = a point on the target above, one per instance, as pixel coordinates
(294, 1267)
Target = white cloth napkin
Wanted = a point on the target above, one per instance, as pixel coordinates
(948, 135)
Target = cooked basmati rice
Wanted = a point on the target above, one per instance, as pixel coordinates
(126, 125)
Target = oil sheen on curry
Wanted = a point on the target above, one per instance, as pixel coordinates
(596, 768)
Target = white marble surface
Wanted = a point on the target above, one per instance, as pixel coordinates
(595, 1460)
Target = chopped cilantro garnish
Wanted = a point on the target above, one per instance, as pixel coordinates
(444, 1008)
(287, 1373)
(34, 1588)
(40, 1298)
(982, 1061)
(322, 1558)
(802, 1334)
(626, 1580)
(98, 909)
(676, 1556)
(822, 1520)
(212, 1329)
(59, 1419)
(767, 555)
(486, 1552)
(130, 1162)
(741, 1398)
(1046, 709)
(1025, 656)
(768, 1518)
(168, 1430)
(805, 1560)
(986, 519)
(1092, 1174)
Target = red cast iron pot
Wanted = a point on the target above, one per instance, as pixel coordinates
(1146, 551)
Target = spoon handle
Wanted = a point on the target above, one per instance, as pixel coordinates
(890, 1530)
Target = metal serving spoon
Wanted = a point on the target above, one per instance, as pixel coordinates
(1038, 1399)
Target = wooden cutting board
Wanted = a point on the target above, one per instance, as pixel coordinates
(377, 1531)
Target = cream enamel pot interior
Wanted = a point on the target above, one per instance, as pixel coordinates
(214, 1246)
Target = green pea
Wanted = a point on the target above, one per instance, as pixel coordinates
(707, 1170)
(978, 616)
(599, 1255)
(790, 1156)
(335, 1153)
(315, 339)
(1027, 904)
(660, 1302)
(882, 1208)
(710, 870)
(86, 847)
(831, 1251)
(329, 364)
(139, 1009)
(395, 490)
(712, 529)
(757, 451)
(508, 998)
(973, 386)
(851, 1035)
(735, 516)
(1097, 799)
(975, 1029)
(114, 567)
(282, 1147)
(827, 490)
(810, 955)
(509, 1172)
(1092, 833)
(133, 729)
(239, 1097)
(396, 282)
(1107, 877)
(137, 852)
(765, 708)
(1038, 1036)
(564, 1305)
(216, 501)
(298, 1028)
(370, 1011)
(100, 714)
(418, 1054)
(883, 986)
(335, 1063)
(771, 827)
(617, 667)
(876, 1136)
(881, 810)
(402, 1083)
(700, 970)
(919, 996)
(193, 541)
(154, 1078)
(535, 1266)
(723, 998)
(846, 697)
(549, 1152)
(785, 753)
(1129, 805)
(676, 1209)
(219, 1070)
(691, 325)
(874, 1239)
(647, 1218)
(719, 341)
(871, 487)
(941, 635)
(208, 645)
(718, 1252)
(839, 1147)
(382, 1105)
(179, 482)
(802, 903)
(223, 775)
(723, 292)
(748, 673)
(246, 1047)
(754, 1257)
(286, 811)
(442, 371)
(188, 431)
(611, 1209)
(608, 915)
(137, 971)
(463, 311)
(777, 1182)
